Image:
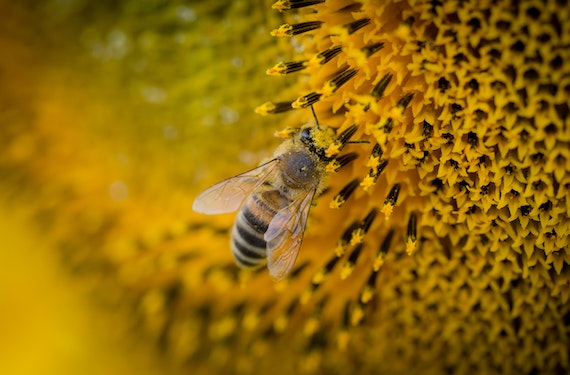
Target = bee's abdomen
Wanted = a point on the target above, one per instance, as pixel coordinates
(248, 245)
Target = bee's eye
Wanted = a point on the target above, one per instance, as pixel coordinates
(306, 136)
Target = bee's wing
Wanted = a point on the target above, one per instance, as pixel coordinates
(228, 195)
(285, 234)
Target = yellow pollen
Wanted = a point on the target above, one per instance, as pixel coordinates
(367, 294)
(336, 202)
(387, 210)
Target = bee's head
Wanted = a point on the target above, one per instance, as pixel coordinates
(316, 139)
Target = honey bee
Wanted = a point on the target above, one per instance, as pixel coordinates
(273, 200)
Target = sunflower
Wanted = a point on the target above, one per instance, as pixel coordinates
(441, 245)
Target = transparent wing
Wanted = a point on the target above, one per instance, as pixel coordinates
(285, 234)
(228, 195)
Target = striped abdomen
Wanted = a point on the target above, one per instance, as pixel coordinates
(252, 221)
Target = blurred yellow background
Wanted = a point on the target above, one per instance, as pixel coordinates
(106, 115)
(48, 324)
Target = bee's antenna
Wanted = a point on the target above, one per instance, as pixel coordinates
(315, 116)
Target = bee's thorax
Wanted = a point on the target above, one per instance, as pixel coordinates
(300, 170)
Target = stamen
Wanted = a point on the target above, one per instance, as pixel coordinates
(375, 155)
(388, 125)
(287, 30)
(372, 48)
(306, 100)
(380, 87)
(391, 200)
(340, 79)
(373, 174)
(346, 159)
(282, 320)
(342, 243)
(359, 233)
(356, 25)
(411, 236)
(369, 289)
(273, 108)
(343, 336)
(381, 254)
(349, 265)
(369, 219)
(339, 143)
(403, 103)
(325, 56)
(282, 68)
(357, 315)
(318, 279)
(282, 5)
(347, 134)
(313, 322)
(285, 133)
(339, 199)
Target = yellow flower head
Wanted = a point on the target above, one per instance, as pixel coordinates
(441, 241)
